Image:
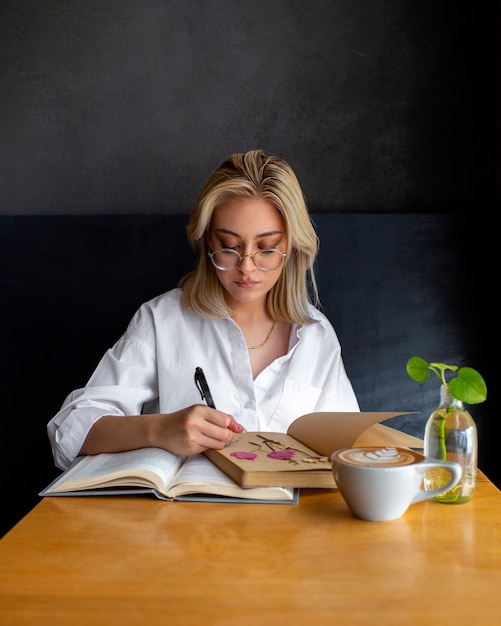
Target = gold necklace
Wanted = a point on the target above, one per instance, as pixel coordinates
(267, 337)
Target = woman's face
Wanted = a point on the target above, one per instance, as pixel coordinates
(247, 226)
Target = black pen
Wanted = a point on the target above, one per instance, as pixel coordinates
(203, 387)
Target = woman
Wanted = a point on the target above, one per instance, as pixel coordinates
(243, 315)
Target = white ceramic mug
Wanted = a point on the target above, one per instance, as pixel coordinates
(379, 484)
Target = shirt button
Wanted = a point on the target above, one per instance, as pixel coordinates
(248, 405)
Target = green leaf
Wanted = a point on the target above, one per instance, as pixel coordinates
(443, 366)
(418, 369)
(468, 386)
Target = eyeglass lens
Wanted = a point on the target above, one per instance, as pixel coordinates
(227, 259)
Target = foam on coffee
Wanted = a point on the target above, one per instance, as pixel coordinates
(378, 457)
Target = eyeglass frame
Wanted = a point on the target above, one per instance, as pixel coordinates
(242, 257)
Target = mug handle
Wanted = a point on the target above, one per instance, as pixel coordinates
(455, 476)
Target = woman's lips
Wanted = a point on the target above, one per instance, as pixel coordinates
(245, 284)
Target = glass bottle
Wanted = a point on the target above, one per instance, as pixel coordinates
(451, 435)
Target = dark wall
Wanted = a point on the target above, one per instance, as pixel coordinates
(124, 106)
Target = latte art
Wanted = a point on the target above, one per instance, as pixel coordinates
(378, 457)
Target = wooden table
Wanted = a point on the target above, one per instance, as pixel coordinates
(133, 560)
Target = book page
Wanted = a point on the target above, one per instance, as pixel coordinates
(326, 432)
(198, 468)
(200, 475)
(146, 467)
(382, 435)
(260, 445)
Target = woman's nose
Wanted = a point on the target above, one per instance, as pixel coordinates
(247, 263)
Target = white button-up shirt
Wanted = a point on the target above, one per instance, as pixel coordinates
(151, 369)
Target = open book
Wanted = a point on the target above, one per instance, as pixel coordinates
(161, 473)
(300, 457)
(244, 471)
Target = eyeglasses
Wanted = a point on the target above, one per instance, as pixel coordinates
(228, 259)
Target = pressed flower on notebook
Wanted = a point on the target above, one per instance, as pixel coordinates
(249, 456)
(282, 454)
(274, 450)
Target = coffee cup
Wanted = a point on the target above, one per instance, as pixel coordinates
(379, 484)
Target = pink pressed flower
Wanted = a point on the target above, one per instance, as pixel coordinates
(282, 454)
(250, 456)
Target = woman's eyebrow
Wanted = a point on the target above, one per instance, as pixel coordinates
(226, 231)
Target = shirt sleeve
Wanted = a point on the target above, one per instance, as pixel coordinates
(123, 382)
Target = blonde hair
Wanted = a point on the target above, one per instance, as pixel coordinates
(255, 175)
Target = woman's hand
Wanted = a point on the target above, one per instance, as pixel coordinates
(194, 429)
